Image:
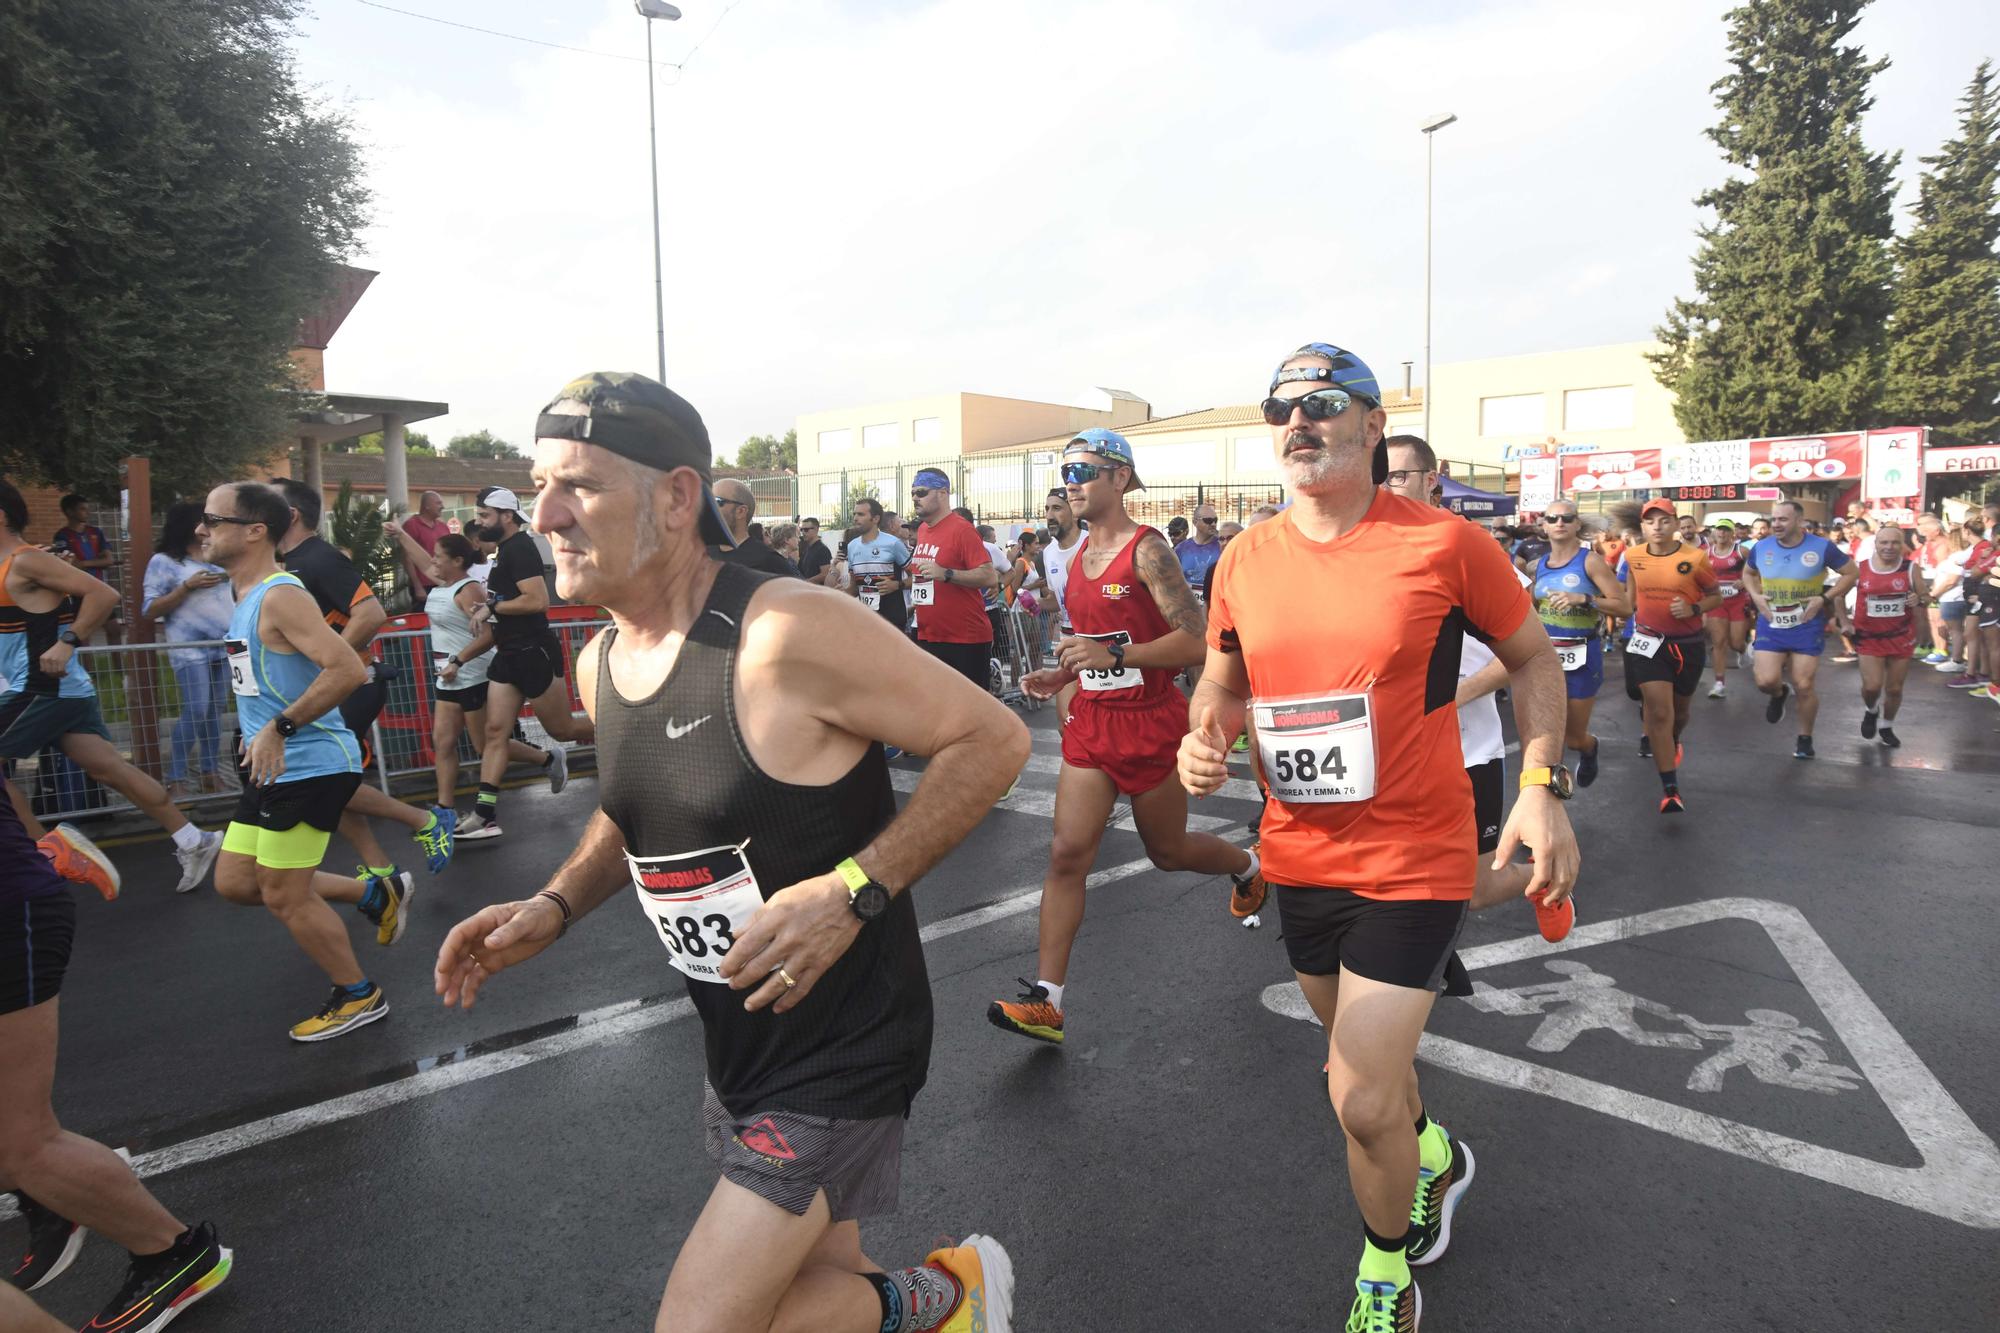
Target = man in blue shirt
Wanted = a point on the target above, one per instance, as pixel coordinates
(877, 563)
(1785, 575)
(1201, 550)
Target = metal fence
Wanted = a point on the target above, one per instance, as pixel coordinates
(177, 720)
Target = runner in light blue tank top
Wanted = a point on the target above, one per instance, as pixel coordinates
(266, 681)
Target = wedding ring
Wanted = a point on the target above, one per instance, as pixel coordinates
(786, 977)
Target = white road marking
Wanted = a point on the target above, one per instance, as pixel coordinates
(1959, 1161)
(596, 1028)
(1041, 801)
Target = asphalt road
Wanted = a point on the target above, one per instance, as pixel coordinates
(1651, 1153)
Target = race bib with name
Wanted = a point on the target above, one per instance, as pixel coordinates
(1787, 617)
(1574, 654)
(1111, 678)
(872, 600)
(242, 680)
(1317, 751)
(440, 661)
(1729, 590)
(1643, 643)
(698, 903)
(923, 593)
(1888, 608)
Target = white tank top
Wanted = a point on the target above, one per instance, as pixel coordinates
(1055, 563)
(451, 630)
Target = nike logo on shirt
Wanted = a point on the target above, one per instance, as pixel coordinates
(675, 731)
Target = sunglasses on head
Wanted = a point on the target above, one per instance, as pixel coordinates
(217, 520)
(1077, 473)
(1319, 405)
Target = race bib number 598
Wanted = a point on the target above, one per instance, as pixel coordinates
(1317, 751)
(697, 903)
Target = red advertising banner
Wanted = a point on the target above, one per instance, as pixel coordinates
(1796, 460)
(1806, 458)
(1948, 459)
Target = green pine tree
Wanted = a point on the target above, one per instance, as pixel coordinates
(1944, 341)
(1787, 331)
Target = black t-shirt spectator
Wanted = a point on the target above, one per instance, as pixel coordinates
(517, 563)
(814, 558)
(753, 552)
(330, 577)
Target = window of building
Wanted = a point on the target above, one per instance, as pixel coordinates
(884, 436)
(1253, 454)
(927, 430)
(1180, 459)
(829, 495)
(836, 441)
(1598, 409)
(1515, 414)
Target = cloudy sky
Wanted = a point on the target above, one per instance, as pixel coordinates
(870, 199)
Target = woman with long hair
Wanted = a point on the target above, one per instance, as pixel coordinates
(192, 600)
(461, 655)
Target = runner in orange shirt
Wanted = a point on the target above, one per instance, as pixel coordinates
(1672, 589)
(1335, 629)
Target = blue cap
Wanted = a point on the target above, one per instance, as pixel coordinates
(1347, 371)
(1109, 443)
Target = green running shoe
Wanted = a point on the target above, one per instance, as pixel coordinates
(1384, 1307)
(1437, 1199)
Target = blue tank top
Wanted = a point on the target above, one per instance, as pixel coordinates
(1572, 577)
(266, 681)
(24, 636)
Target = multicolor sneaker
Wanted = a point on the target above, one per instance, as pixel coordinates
(985, 1276)
(1671, 804)
(160, 1287)
(437, 838)
(1437, 1199)
(1384, 1307)
(1934, 657)
(341, 1014)
(78, 860)
(53, 1242)
(1031, 1015)
(392, 915)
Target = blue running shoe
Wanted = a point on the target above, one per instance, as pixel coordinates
(438, 838)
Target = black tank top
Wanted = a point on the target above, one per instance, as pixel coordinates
(859, 1046)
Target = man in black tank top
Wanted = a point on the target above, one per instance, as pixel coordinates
(746, 800)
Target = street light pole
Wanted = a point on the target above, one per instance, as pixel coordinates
(650, 10)
(1430, 129)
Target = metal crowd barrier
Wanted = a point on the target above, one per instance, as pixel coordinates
(142, 705)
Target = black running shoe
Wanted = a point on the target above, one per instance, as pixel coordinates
(1437, 1199)
(1645, 746)
(1776, 708)
(1803, 750)
(1887, 736)
(1671, 803)
(1586, 765)
(1868, 724)
(158, 1287)
(53, 1244)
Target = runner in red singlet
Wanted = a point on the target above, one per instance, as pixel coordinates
(1136, 622)
(1886, 597)
(1728, 624)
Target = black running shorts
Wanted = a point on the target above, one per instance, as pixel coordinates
(788, 1158)
(1678, 662)
(530, 665)
(1489, 800)
(1398, 943)
(317, 801)
(35, 939)
(970, 660)
(472, 698)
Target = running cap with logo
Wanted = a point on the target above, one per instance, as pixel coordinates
(1109, 444)
(1659, 504)
(499, 497)
(1346, 371)
(641, 419)
(932, 479)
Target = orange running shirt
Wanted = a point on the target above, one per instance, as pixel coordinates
(1656, 580)
(1382, 608)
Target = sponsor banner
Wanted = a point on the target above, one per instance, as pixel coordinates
(1807, 458)
(1538, 484)
(1895, 465)
(1634, 469)
(1794, 460)
(1768, 493)
(1947, 459)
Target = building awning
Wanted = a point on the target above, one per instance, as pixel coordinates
(347, 415)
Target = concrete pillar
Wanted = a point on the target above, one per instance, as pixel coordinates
(396, 465)
(315, 473)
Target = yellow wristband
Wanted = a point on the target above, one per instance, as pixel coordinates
(852, 873)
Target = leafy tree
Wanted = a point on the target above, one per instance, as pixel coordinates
(172, 202)
(1787, 331)
(1944, 341)
(770, 453)
(844, 517)
(357, 529)
(415, 443)
(480, 444)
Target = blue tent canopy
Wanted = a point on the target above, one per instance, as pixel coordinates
(1463, 499)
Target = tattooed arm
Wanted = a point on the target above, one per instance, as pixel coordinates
(1161, 572)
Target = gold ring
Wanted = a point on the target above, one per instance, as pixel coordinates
(786, 977)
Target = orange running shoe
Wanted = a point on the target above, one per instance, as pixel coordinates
(1679, 751)
(1246, 896)
(78, 860)
(1031, 1015)
(1555, 922)
(1671, 804)
(985, 1276)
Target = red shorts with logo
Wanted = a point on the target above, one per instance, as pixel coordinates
(1136, 746)
(1733, 608)
(1900, 646)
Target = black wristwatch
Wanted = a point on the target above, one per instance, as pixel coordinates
(865, 898)
(1117, 655)
(286, 727)
(68, 636)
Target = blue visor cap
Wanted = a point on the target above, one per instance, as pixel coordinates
(1107, 444)
(1348, 372)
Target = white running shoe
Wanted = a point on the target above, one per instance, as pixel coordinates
(1718, 691)
(558, 769)
(196, 861)
(475, 827)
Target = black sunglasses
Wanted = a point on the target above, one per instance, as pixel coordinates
(1319, 405)
(1558, 518)
(920, 493)
(217, 520)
